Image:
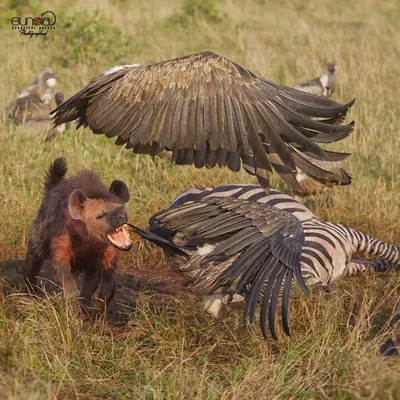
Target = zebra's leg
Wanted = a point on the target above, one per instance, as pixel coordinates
(382, 265)
(354, 267)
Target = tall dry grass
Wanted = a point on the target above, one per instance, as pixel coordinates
(174, 350)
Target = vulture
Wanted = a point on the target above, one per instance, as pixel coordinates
(34, 100)
(323, 86)
(226, 245)
(42, 124)
(209, 111)
(43, 85)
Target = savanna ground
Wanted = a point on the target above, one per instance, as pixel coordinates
(167, 347)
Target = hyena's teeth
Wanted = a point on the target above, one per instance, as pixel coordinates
(121, 229)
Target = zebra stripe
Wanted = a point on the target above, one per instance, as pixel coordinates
(328, 248)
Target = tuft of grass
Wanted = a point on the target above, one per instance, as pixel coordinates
(195, 10)
(170, 348)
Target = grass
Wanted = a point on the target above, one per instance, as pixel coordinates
(172, 349)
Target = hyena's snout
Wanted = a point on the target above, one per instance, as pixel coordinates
(118, 218)
(119, 236)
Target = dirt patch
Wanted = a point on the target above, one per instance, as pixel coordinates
(11, 274)
(161, 282)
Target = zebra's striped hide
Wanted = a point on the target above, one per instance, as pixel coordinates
(329, 247)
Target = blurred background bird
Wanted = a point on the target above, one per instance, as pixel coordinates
(31, 108)
(43, 123)
(323, 86)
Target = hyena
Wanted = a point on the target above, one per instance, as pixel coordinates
(79, 228)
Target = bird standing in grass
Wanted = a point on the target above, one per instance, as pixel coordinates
(43, 85)
(211, 111)
(34, 101)
(31, 108)
(323, 86)
(42, 124)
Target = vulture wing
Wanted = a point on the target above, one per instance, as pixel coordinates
(327, 172)
(253, 245)
(207, 110)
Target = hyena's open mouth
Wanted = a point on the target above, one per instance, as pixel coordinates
(120, 238)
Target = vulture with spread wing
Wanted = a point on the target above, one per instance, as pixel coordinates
(222, 243)
(211, 111)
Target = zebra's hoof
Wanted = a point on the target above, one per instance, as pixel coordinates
(389, 348)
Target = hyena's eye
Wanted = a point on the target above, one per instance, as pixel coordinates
(101, 215)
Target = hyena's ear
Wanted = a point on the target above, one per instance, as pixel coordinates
(120, 190)
(75, 203)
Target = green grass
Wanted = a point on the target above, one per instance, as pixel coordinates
(172, 349)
